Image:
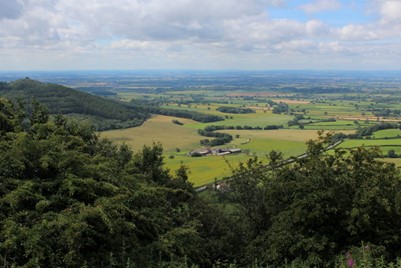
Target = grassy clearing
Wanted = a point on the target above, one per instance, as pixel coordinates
(387, 133)
(261, 147)
(157, 129)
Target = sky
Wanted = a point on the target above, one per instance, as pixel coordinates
(200, 34)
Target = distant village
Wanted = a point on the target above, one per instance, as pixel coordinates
(213, 151)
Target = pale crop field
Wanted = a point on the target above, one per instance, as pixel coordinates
(157, 129)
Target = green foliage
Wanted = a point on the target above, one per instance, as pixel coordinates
(392, 154)
(220, 138)
(101, 112)
(281, 108)
(319, 207)
(235, 110)
(175, 121)
(369, 130)
(70, 199)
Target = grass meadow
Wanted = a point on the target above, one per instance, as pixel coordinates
(370, 143)
(205, 169)
(387, 133)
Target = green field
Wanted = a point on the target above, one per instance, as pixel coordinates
(384, 144)
(370, 143)
(289, 141)
(205, 169)
(387, 133)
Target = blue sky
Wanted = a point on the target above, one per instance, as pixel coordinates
(346, 13)
(193, 34)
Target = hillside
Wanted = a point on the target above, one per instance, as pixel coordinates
(100, 112)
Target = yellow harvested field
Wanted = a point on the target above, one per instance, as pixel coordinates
(370, 118)
(256, 94)
(288, 101)
(396, 161)
(157, 129)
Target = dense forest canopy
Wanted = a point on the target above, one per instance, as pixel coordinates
(235, 110)
(102, 113)
(71, 199)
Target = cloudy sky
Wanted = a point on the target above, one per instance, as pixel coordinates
(200, 34)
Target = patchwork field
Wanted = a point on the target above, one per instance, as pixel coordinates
(350, 112)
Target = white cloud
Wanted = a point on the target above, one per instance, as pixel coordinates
(391, 11)
(352, 32)
(185, 34)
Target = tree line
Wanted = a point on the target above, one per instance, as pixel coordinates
(235, 110)
(368, 131)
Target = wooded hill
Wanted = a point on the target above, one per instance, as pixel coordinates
(100, 112)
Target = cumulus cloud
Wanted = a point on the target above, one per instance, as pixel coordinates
(391, 11)
(321, 5)
(165, 33)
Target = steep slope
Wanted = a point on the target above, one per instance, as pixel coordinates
(100, 112)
